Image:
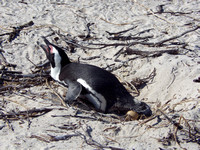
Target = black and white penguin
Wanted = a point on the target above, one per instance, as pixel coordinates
(99, 86)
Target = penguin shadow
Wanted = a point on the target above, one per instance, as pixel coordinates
(83, 104)
(121, 115)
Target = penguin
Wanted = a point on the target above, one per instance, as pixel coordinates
(98, 86)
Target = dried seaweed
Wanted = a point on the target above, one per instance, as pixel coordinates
(16, 80)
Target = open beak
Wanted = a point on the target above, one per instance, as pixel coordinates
(46, 47)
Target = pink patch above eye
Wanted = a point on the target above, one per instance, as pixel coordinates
(51, 49)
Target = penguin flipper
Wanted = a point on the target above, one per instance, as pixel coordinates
(74, 90)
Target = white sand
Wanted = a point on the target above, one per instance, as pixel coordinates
(171, 90)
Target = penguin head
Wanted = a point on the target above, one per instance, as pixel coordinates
(56, 55)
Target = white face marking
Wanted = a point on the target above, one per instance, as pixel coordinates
(97, 99)
(56, 70)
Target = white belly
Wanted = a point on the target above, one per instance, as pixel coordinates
(55, 73)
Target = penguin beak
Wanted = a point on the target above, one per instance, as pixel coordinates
(48, 47)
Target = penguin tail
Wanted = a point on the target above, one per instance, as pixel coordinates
(143, 109)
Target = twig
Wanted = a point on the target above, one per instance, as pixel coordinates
(95, 144)
(8, 124)
(61, 99)
(40, 138)
(10, 72)
(62, 137)
(4, 61)
(120, 32)
(16, 102)
(176, 37)
(17, 30)
(170, 120)
(172, 72)
(31, 61)
(171, 12)
(126, 38)
(25, 114)
(72, 42)
(82, 117)
(157, 16)
(175, 133)
(149, 119)
(104, 45)
(141, 32)
(150, 53)
(95, 116)
(151, 44)
(88, 36)
(90, 58)
(18, 74)
(193, 136)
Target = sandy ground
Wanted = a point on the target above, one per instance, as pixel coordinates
(170, 91)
